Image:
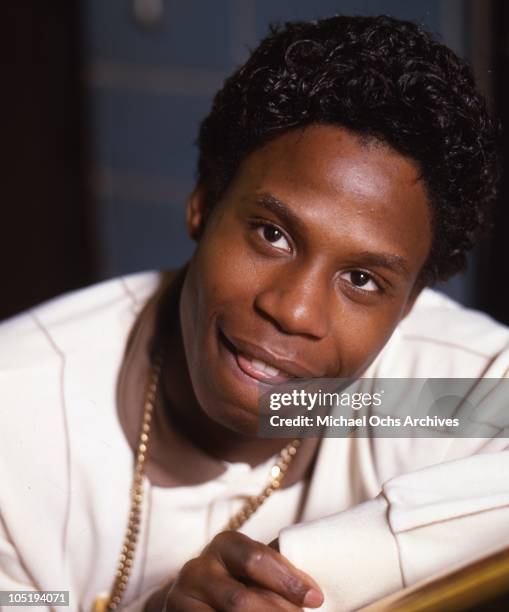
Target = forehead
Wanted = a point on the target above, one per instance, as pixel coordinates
(331, 157)
(343, 187)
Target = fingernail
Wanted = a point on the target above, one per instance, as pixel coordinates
(313, 599)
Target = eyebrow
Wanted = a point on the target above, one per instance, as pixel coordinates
(280, 209)
(385, 260)
(367, 258)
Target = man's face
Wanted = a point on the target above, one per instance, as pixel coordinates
(304, 267)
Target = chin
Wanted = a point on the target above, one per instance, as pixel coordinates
(236, 419)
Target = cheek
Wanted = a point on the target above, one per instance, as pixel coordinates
(218, 280)
(360, 335)
(226, 267)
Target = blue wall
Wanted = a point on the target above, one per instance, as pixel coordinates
(150, 87)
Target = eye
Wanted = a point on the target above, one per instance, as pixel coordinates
(361, 280)
(273, 235)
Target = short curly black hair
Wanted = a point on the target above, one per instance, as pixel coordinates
(382, 78)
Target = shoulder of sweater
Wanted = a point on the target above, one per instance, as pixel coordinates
(82, 320)
(440, 338)
(437, 319)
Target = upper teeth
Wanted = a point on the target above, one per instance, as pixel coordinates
(261, 366)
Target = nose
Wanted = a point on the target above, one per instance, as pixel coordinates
(296, 302)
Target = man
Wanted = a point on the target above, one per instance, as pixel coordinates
(349, 164)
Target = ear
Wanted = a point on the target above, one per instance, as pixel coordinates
(196, 212)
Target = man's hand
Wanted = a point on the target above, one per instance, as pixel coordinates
(236, 573)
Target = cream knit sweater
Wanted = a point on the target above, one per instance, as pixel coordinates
(377, 515)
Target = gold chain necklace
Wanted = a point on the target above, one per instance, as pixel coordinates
(112, 601)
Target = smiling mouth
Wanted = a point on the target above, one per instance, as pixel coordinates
(256, 369)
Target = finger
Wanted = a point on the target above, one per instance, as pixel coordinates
(207, 579)
(276, 602)
(245, 558)
(179, 602)
(229, 595)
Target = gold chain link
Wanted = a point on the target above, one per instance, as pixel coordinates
(126, 559)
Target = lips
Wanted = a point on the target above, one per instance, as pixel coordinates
(262, 365)
(260, 370)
